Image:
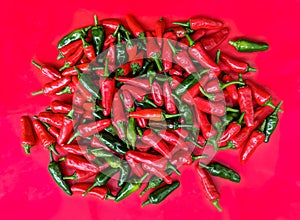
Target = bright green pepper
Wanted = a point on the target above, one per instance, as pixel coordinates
(124, 173)
(71, 37)
(249, 46)
(271, 123)
(113, 142)
(98, 36)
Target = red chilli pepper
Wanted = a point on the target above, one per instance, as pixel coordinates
(88, 50)
(197, 35)
(159, 173)
(99, 192)
(246, 105)
(135, 26)
(151, 114)
(173, 139)
(137, 93)
(181, 158)
(152, 139)
(236, 66)
(28, 139)
(73, 58)
(54, 119)
(209, 187)
(167, 55)
(135, 166)
(111, 38)
(175, 81)
(141, 146)
(58, 106)
(232, 129)
(239, 139)
(69, 49)
(206, 128)
(142, 122)
(255, 139)
(200, 22)
(170, 104)
(214, 108)
(71, 71)
(159, 28)
(179, 31)
(48, 71)
(176, 71)
(213, 40)
(138, 82)
(232, 90)
(157, 94)
(107, 89)
(111, 23)
(146, 158)
(86, 130)
(79, 175)
(54, 131)
(66, 129)
(119, 118)
(74, 149)
(54, 86)
(153, 50)
(79, 163)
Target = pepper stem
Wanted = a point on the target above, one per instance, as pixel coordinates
(217, 60)
(96, 20)
(36, 64)
(65, 90)
(145, 203)
(174, 50)
(194, 158)
(229, 145)
(106, 73)
(251, 69)
(66, 65)
(147, 101)
(157, 61)
(172, 167)
(72, 177)
(171, 116)
(48, 108)
(116, 31)
(241, 118)
(51, 157)
(143, 178)
(27, 148)
(37, 92)
(277, 109)
(203, 165)
(194, 142)
(89, 189)
(190, 40)
(209, 96)
(184, 24)
(270, 104)
(52, 148)
(216, 204)
(229, 109)
(151, 74)
(59, 56)
(75, 135)
(223, 86)
(84, 43)
(110, 196)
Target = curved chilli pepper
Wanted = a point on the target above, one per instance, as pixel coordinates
(209, 187)
(69, 49)
(214, 108)
(48, 71)
(74, 149)
(71, 37)
(213, 40)
(246, 105)
(200, 22)
(159, 173)
(136, 167)
(112, 142)
(175, 81)
(123, 70)
(137, 93)
(220, 170)
(142, 123)
(236, 66)
(54, 131)
(160, 194)
(206, 128)
(86, 81)
(183, 59)
(197, 35)
(79, 175)
(152, 139)
(119, 118)
(79, 163)
(98, 36)
(146, 158)
(73, 59)
(127, 101)
(248, 46)
(157, 94)
(197, 52)
(107, 89)
(28, 139)
(125, 171)
(256, 138)
(170, 104)
(153, 50)
(66, 129)
(232, 90)
(80, 88)
(97, 192)
(261, 114)
(271, 123)
(232, 129)
(159, 28)
(56, 173)
(173, 139)
(138, 82)
(135, 26)
(54, 86)
(240, 138)
(111, 23)
(58, 106)
(91, 107)
(88, 50)
(167, 55)
(47, 140)
(152, 114)
(71, 71)
(130, 187)
(112, 38)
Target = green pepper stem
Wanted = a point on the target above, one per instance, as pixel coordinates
(51, 157)
(172, 167)
(37, 92)
(27, 148)
(232, 43)
(52, 148)
(75, 135)
(70, 114)
(110, 196)
(276, 108)
(223, 86)
(59, 56)
(251, 69)
(62, 159)
(72, 177)
(142, 179)
(229, 145)
(48, 108)
(204, 165)
(190, 40)
(209, 96)
(217, 60)
(184, 24)
(147, 101)
(229, 109)
(157, 61)
(151, 74)
(66, 65)
(145, 203)
(84, 43)
(106, 73)
(194, 158)
(89, 189)
(65, 90)
(194, 142)
(36, 64)
(174, 50)
(171, 116)
(96, 20)
(239, 121)
(216, 204)
(116, 31)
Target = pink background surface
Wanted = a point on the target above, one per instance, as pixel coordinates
(270, 181)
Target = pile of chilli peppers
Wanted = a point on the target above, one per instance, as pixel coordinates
(139, 110)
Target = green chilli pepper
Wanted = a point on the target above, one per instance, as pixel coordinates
(112, 142)
(131, 132)
(102, 178)
(249, 46)
(185, 111)
(272, 122)
(154, 182)
(121, 54)
(188, 82)
(160, 194)
(57, 175)
(220, 170)
(130, 187)
(100, 152)
(98, 36)
(71, 37)
(124, 173)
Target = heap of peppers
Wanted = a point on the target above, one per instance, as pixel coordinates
(142, 110)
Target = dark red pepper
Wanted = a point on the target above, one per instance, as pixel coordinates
(137, 93)
(236, 66)
(151, 114)
(138, 82)
(232, 90)
(159, 173)
(153, 50)
(71, 71)
(135, 26)
(173, 139)
(135, 166)
(66, 129)
(54, 86)
(167, 55)
(99, 192)
(246, 105)
(170, 104)
(79, 175)
(142, 122)
(69, 49)
(48, 71)
(214, 108)
(159, 28)
(181, 158)
(213, 40)
(28, 139)
(88, 50)
(200, 22)
(119, 118)
(157, 94)
(79, 163)
(111, 23)
(58, 106)
(54, 119)
(73, 58)
(231, 130)
(74, 149)
(206, 128)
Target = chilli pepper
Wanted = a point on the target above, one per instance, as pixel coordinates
(213, 40)
(153, 50)
(69, 49)
(206, 128)
(54, 119)
(197, 35)
(209, 187)
(89, 129)
(79, 162)
(135, 26)
(112, 38)
(28, 139)
(58, 106)
(102, 178)
(121, 54)
(88, 50)
(54, 131)
(147, 158)
(214, 108)
(123, 70)
(232, 129)
(200, 22)
(157, 94)
(167, 55)
(119, 118)
(173, 139)
(220, 170)
(159, 28)
(136, 62)
(231, 89)
(142, 122)
(181, 157)
(157, 172)
(137, 93)
(130, 187)
(111, 23)
(127, 101)
(71, 37)
(142, 83)
(131, 133)
(48, 71)
(47, 140)
(97, 192)
(66, 128)
(112, 142)
(91, 107)
(124, 173)
(79, 175)
(160, 194)
(246, 105)
(98, 36)
(182, 59)
(136, 167)
(180, 31)
(248, 46)
(176, 71)
(185, 111)
(57, 175)
(54, 86)
(82, 90)
(167, 124)
(236, 66)
(71, 71)
(170, 104)
(256, 138)
(74, 149)
(152, 114)
(271, 123)
(73, 59)
(197, 51)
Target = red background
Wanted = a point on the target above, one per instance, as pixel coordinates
(270, 181)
